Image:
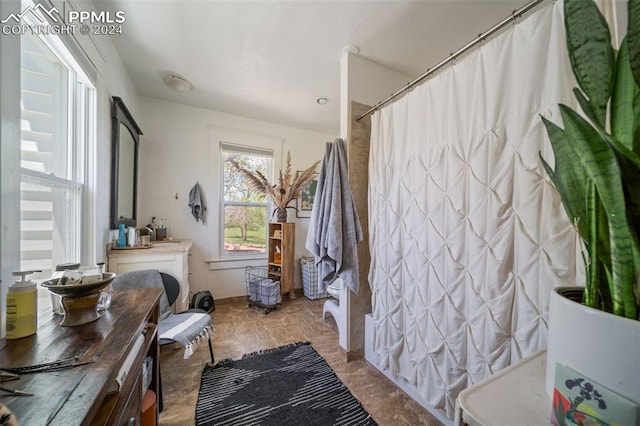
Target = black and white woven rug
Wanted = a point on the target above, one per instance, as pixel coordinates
(290, 385)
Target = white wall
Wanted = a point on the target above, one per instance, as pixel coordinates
(368, 83)
(176, 152)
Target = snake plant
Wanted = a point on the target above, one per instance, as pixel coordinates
(597, 156)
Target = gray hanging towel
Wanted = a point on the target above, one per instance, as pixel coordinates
(334, 228)
(197, 203)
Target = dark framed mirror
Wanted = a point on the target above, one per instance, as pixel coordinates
(125, 137)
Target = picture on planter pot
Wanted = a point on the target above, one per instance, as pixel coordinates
(578, 400)
(307, 195)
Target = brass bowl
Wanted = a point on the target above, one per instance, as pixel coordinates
(80, 301)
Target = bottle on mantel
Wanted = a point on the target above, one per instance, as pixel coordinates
(22, 307)
(122, 238)
(154, 226)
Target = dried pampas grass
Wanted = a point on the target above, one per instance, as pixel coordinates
(287, 189)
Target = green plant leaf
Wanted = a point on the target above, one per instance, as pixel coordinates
(633, 36)
(629, 162)
(590, 53)
(604, 291)
(636, 132)
(625, 89)
(590, 296)
(587, 108)
(596, 173)
(597, 293)
(599, 162)
(631, 181)
(569, 177)
(636, 262)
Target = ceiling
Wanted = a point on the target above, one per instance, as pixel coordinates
(271, 60)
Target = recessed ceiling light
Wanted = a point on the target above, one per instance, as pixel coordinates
(178, 83)
(323, 101)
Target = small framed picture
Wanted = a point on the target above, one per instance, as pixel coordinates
(307, 196)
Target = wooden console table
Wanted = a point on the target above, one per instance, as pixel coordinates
(84, 394)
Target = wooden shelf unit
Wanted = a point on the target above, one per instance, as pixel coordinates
(282, 238)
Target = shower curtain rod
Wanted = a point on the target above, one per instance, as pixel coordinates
(452, 57)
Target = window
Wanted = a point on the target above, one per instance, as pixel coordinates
(244, 209)
(57, 126)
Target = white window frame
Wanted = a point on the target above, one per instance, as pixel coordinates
(9, 158)
(219, 135)
(81, 133)
(245, 150)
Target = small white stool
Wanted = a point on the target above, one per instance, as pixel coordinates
(333, 308)
(333, 305)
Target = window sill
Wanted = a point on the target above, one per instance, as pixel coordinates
(236, 262)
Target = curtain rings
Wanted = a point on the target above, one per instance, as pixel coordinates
(515, 18)
(482, 40)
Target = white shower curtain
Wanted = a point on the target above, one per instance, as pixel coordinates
(467, 234)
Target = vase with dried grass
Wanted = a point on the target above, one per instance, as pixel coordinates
(287, 188)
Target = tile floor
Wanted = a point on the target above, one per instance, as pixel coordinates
(241, 330)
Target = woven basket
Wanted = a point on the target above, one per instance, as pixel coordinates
(310, 279)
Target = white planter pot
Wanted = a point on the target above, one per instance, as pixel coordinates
(599, 345)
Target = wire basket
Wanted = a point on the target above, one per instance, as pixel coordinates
(310, 279)
(262, 290)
